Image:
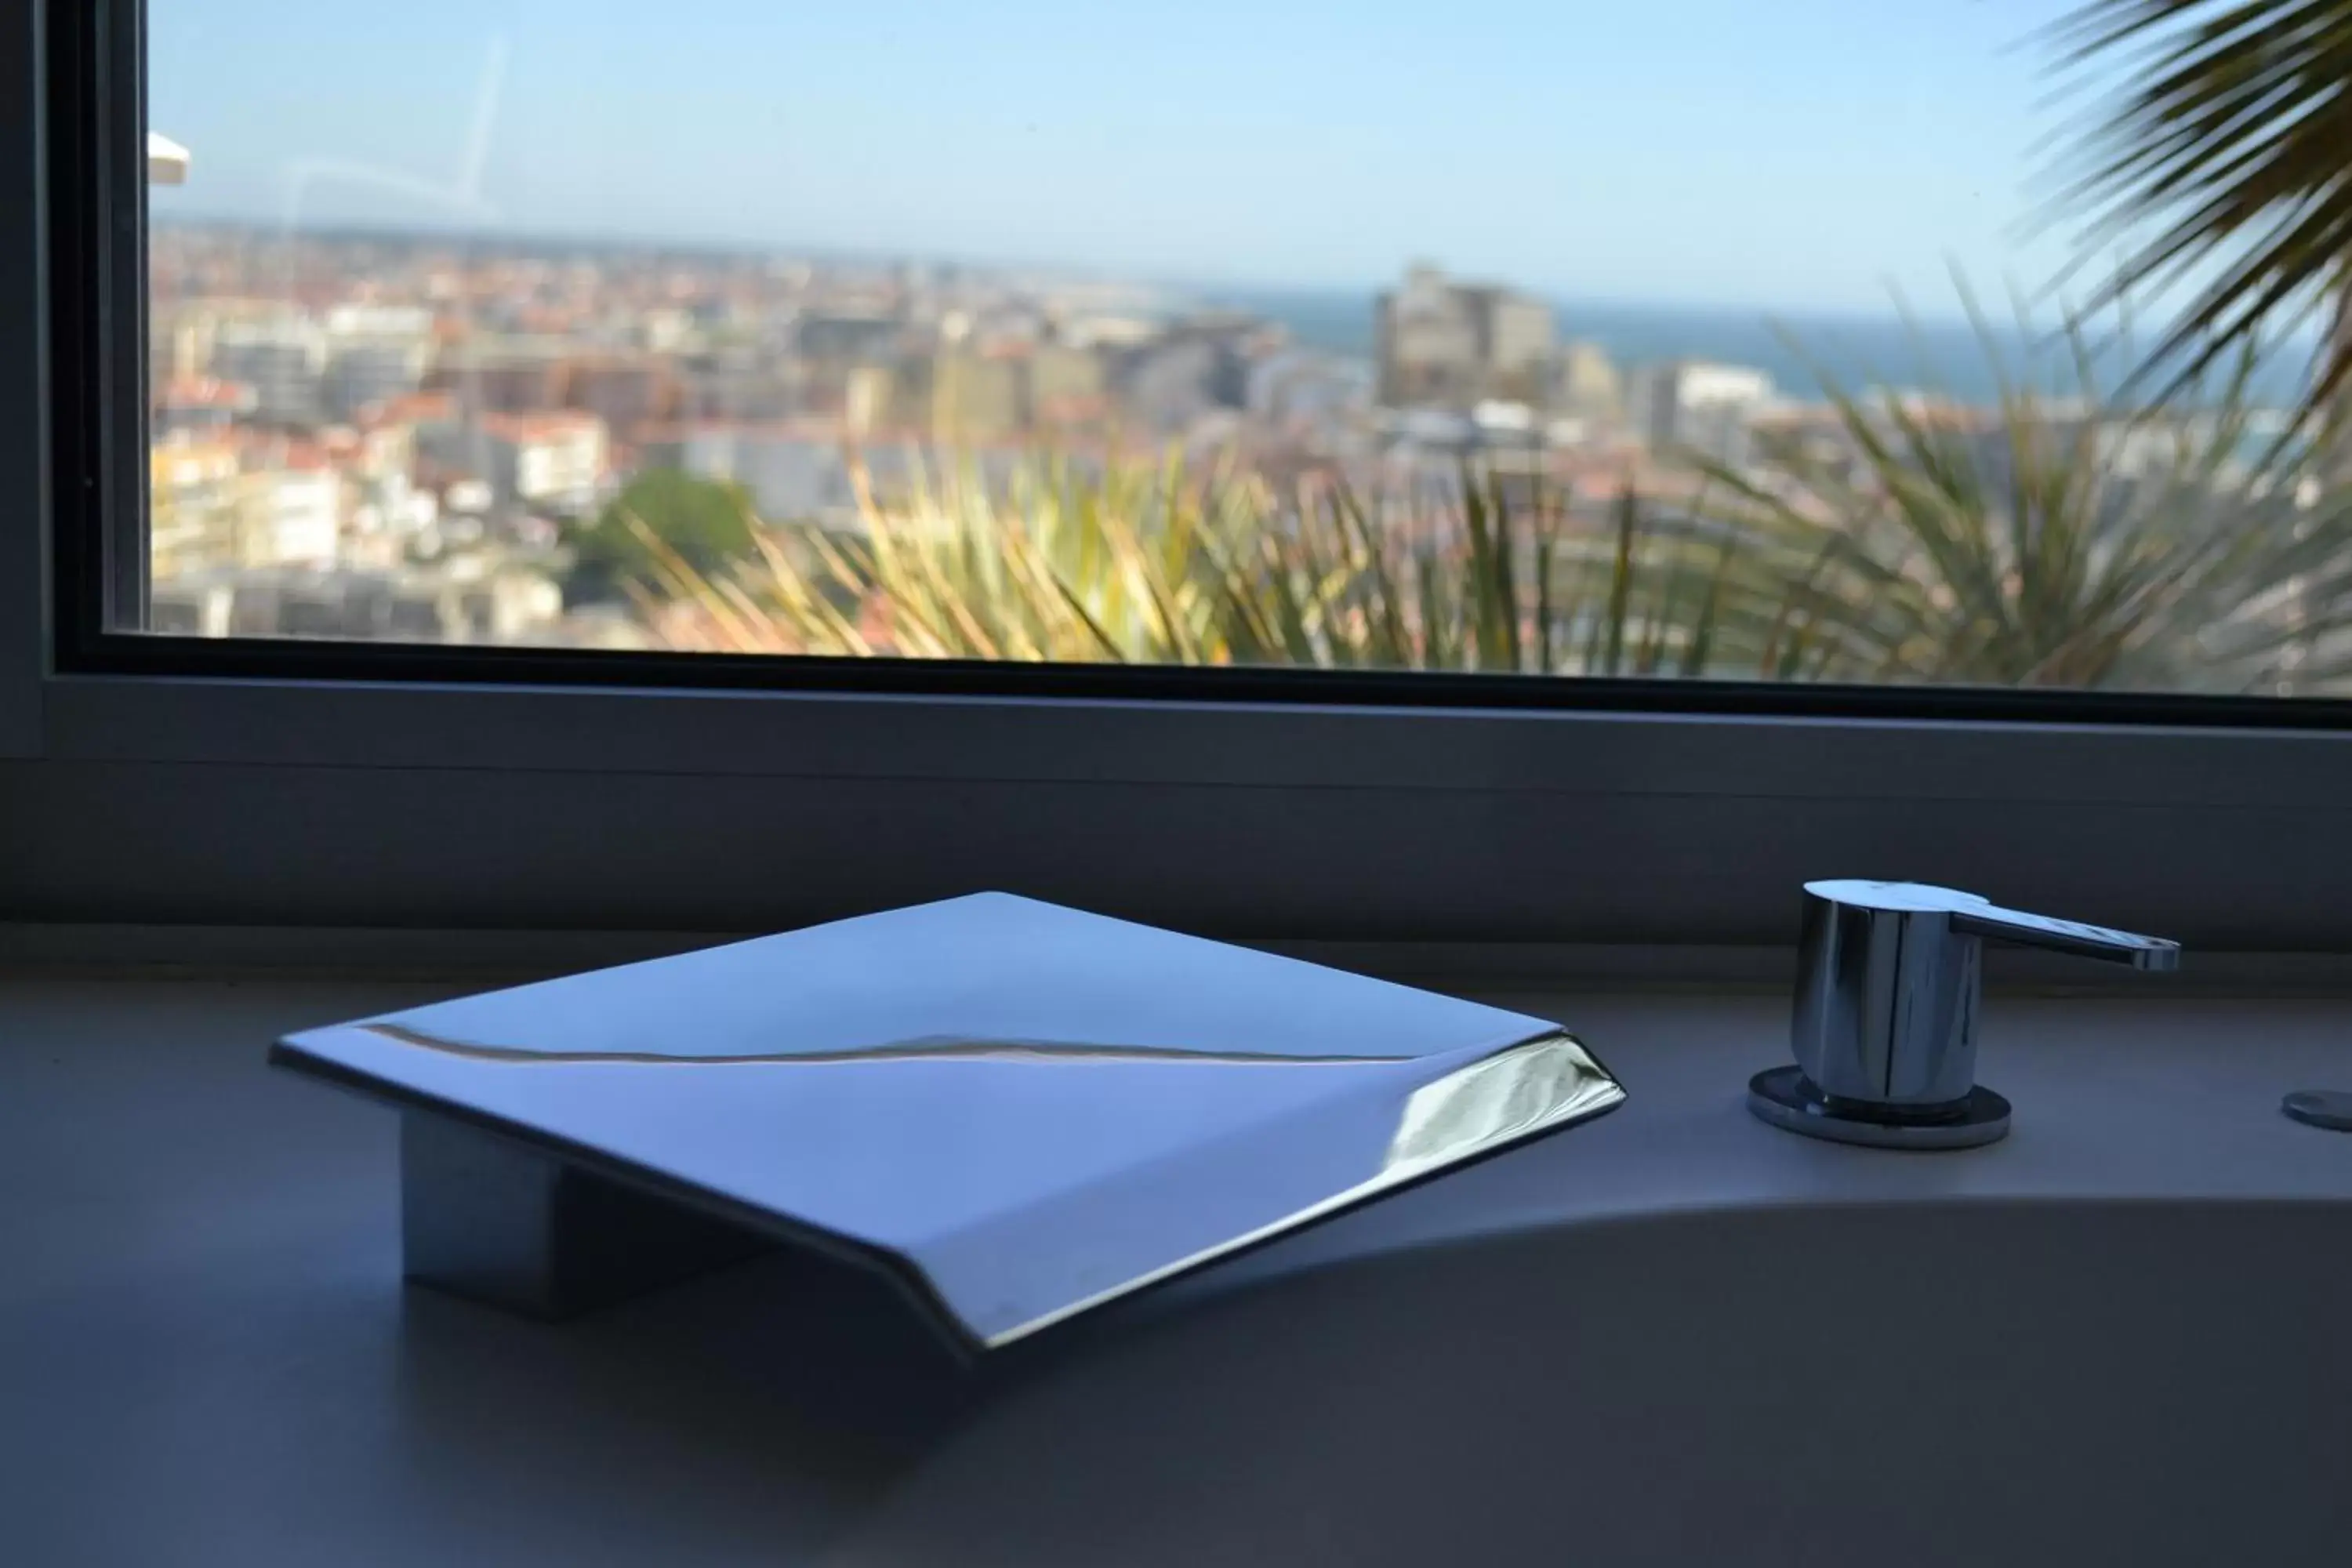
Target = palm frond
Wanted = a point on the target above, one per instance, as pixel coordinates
(2222, 163)
(2081, 540)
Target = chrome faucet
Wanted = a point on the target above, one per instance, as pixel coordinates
(1889, 985)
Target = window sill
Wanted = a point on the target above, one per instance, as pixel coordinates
(1079, 739)
(198, 801)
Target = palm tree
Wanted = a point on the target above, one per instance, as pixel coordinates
(2072, 539)
(1133, 561)
(2221, 162)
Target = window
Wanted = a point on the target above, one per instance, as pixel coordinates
(1541, 342)
(1368, 666)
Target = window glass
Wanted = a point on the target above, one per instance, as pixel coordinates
(1696, 338)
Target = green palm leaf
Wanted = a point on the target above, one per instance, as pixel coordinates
(2073, 539)
(2220, 163)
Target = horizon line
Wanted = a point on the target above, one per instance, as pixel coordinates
(1075, 271)
(1203, 292)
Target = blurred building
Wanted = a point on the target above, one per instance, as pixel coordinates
(805, 472)
(466, 600)
(666, 330)
(1193, 369)
(179, 345)
(1696, 406)
(505, 375)
(1447, 344)
(1300, 388)
(1589, 386)
(201, 406)
(1067, 385)
(283, 361)
(739, 384)
(977, 398)
(361, 373)
(845, 339)
(557, 461)
(1809, 438)
(623, 392)
(1427, 344)
(1516, 344)
(553, 461)
(374, 354)
(795, 473)
(290, 515)
(182, 334)
(212, 508)
(192, 490)
(1166, 386)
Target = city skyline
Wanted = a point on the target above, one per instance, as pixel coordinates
(751, 453)
(1696, 154)
(373, 436)
(1908, 344)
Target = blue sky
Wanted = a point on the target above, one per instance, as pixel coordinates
(1799, 155)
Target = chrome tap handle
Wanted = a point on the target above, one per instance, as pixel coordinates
(1889, 985)
(1979, 918)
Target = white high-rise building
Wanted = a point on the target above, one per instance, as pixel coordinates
(1693, 405)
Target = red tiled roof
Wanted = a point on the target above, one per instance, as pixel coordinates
(414, 408)
(205, 391)
(539, 426)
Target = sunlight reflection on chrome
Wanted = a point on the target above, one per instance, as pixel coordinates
(930, 1049)
(1477, 1110)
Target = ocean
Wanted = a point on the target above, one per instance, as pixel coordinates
(1799, 351)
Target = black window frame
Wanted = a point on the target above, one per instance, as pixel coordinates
(1258, 801)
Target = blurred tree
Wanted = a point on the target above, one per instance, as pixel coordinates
(707, 524)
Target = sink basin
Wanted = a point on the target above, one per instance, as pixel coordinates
(1681, 1337)
(2061, 1383)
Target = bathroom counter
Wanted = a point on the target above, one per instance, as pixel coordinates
(210, 1359)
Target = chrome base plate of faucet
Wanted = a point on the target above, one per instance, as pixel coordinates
(1786, 1099)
